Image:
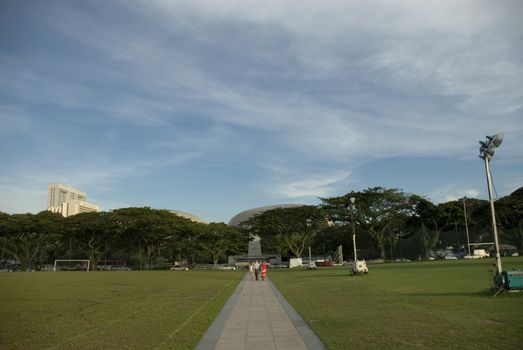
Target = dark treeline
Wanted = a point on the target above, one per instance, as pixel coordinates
(141, 237)
(389, 224)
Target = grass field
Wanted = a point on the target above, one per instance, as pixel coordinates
(110, 310)
(418, 305)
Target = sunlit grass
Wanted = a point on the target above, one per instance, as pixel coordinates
(110, 310)
(418, 305)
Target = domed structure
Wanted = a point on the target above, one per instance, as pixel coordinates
(189, 216)
(246, 215)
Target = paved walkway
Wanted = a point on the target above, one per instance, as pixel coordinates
(258, 317)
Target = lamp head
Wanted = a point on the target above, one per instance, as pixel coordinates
(497, 139)
(488, 148)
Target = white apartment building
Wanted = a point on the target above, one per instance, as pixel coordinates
(67, 200)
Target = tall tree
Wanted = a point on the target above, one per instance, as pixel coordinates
(93, 231)
(509, 214)
(26, 234)
(294, 227)
(185, 247)
(376, 211)
(52, 226)
(218, 238)
(149, 230)
(431, 220)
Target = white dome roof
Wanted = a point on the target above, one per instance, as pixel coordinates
(242, 217)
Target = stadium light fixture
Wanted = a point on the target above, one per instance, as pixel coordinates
(358, 267)
(486, 152)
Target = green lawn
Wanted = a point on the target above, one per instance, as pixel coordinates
(110, 310)
(418, 305)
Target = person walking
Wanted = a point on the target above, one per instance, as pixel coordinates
(263, 269)
(251, 271)
(256, 269)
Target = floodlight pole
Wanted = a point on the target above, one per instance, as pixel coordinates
(493, 214)
(466, 224)
(352, 207)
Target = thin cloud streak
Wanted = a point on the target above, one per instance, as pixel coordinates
(294, 113)
(321, 185)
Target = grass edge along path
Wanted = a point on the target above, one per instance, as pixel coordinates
(418, 305)
(117, 310)
(196, 312)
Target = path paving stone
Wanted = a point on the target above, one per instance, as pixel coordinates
(258, 317)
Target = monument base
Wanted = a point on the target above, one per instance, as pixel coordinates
(244, 260)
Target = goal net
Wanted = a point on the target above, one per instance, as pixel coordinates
(72, 265)
(338, 257)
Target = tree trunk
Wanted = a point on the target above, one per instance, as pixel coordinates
(148, 253)
(427, 240)
(93, 256)
(295, 249)
(383, 251)
(26, 250)
(379, 238)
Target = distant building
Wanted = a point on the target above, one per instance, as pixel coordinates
(67, 200)
(254, 251)
(239, 219)
(189, 216)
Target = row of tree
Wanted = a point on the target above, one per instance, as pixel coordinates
(389, 223)
(139, 236)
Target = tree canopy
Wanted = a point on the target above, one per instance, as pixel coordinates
(291, 228)
(377, 210)
(144, 237)
(388, 223)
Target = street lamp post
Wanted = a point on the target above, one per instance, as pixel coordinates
(311, 265)
(487, 150)
(466, 224)
(352, 208)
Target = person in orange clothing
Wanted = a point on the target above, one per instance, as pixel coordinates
(263, 269)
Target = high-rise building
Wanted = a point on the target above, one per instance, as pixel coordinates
(67, 200)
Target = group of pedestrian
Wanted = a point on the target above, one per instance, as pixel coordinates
(258, 270)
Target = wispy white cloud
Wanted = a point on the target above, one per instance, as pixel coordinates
(319, 185)
(425, 48)
(418, 48)
(281, 85)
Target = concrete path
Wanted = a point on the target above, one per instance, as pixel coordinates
(258, 317)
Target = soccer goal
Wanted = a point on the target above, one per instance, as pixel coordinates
(338, 257)
(72, 265)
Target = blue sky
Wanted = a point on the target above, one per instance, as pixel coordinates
(215, 107)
